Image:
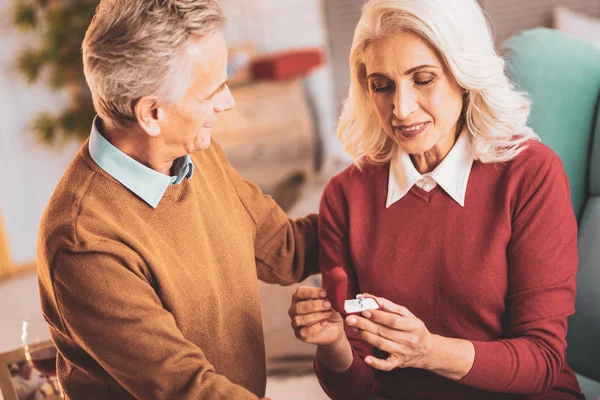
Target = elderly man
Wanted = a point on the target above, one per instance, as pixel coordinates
(152, 245)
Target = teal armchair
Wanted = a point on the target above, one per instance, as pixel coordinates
(561, 73)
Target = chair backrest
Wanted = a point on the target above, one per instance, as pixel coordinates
(561, 73)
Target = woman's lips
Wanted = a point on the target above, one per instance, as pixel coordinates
(411, 131)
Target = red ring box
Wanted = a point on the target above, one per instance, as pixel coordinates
(335, 283)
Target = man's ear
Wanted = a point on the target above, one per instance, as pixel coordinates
(148, 113)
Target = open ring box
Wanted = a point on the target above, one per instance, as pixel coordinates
(335, 283)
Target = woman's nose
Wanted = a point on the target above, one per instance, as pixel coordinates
(405, 102)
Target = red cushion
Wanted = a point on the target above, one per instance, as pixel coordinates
(287, 65)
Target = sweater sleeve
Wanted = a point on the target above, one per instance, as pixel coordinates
(357, 381)
(128, 332)
(542, 262)
(286, 250)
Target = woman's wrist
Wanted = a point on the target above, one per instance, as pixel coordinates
(450, 358)
(336, 356)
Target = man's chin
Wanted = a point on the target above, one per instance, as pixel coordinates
(202, 142)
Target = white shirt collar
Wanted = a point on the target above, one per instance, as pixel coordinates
(452, 174)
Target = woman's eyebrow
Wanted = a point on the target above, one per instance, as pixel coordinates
(377, 75)
(407, 72)
(418, 68)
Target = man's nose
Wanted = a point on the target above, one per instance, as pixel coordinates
(225, 101)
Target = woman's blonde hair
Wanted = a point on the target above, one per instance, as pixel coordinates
(494, 111)
(134, 48)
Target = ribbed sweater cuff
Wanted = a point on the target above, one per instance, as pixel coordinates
(484, 372)
(354, 383)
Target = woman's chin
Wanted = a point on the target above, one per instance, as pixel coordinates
(414, 145)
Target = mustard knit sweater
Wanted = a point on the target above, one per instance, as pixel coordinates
(163, 303)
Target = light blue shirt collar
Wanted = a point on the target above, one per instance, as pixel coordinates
(148, 184)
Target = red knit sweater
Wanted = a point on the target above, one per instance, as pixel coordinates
(499, 272)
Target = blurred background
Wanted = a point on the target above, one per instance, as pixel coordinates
(288, 65)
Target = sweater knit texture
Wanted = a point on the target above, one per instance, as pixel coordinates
(163, 303)
(499, 272)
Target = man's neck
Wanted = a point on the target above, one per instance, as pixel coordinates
(138, 145)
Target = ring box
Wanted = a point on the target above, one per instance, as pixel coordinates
(335, 283)
(355, 307)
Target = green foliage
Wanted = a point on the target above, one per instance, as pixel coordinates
(29, 63)
(56, 60)
(44, 127)
(25, 16)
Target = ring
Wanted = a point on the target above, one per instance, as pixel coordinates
(360, 298)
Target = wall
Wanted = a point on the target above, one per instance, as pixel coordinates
(513, 16)
(29, 172)
(28, 175)
(276, 25)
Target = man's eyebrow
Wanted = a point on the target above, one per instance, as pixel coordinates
(217, 90)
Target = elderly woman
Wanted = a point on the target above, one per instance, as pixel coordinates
(454, 215)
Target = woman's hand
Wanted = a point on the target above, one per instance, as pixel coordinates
(396, 331)
(315, 322)
(313, 319)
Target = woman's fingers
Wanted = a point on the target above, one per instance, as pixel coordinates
(383, 344)
(309, 307)
(309, 292)
(369, 326)
(387, 305)
(393, 320)
(307, 300)
(309, 319)
(405, 336)
(383, 365)
(394, 330)
(310, 331)
(312, 318)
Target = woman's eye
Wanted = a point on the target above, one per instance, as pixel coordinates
(423, 83)
(422, 79)
(377, 88)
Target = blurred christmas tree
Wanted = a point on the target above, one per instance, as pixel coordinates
(61, 25)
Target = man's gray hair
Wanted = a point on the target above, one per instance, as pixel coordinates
(133, 48)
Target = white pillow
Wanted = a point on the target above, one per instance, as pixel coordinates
(587, 28)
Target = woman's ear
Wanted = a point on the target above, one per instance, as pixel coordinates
(147, 114)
